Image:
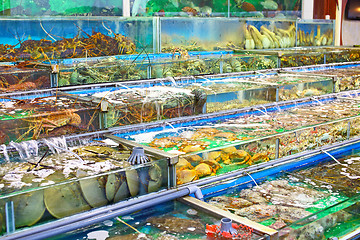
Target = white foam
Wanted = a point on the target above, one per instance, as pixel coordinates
(98, 235)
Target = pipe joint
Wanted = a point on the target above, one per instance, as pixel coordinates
(196, 191)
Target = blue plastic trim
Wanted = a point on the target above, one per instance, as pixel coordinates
(325, 68)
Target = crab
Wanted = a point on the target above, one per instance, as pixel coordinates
(204, 133)
(231, 155)
(165, 142)
(183, 164)
(259, 157)
(204, 169)
(213, 164)
(194, 158)
(226, 135)
(56, 120)
(241, 155)
(214, 155)
(192, 146)
(186, 176)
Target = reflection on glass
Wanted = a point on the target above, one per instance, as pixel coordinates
(61, 8)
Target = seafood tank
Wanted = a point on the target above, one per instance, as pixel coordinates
(239, 8)
(23, 77)
(348, 75)
(81, 37)
(145, 101)
(214, 145)
(45, 114)
(131, 104)
(314, 198)
(238, 91)
(301, 198)
(206, 34)
(177, 64)
(315, 33)
(305, 56)
(42, 181)
(51, 38)
(61, 8)
(170, 220)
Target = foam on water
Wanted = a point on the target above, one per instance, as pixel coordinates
(98, 235)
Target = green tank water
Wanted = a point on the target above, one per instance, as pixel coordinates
(242, 8)
(61, 7)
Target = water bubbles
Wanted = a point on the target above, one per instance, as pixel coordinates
(191, 211)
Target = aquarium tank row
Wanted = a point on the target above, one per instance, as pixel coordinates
(184, 8)
(50, 38)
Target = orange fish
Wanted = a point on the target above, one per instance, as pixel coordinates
(190, 11)
(248, 7)
(161, 13)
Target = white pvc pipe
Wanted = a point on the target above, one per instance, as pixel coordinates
(126, 8)
(338, 19)
(307, 11)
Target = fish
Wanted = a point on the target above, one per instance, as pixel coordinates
(248, 7)
(161, 13)
(190, 11)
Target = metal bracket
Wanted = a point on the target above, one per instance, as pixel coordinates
(10, 217)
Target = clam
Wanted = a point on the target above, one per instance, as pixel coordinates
(93, 191)
(132, 179)
(28, 208)
(65, 200)
(155, 176)
(112, 185)
(154, 186)
(122, 192)
(155, 172)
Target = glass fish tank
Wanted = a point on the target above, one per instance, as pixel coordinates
(45, 114)
(305, 56)
(46, 39)
(146, 101)
(238, 91)
(347, 75)
(177, 64)
(227, 142)
(314, 33)
(61, 8)
(143, 102)
(23, 77)
(216, 8)
(169, 220)
(207, 34)
(42, 181)
(107, 70)
(138, 66)
(305, 199)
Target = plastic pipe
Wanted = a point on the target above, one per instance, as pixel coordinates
(101, 214)
(196, 191)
